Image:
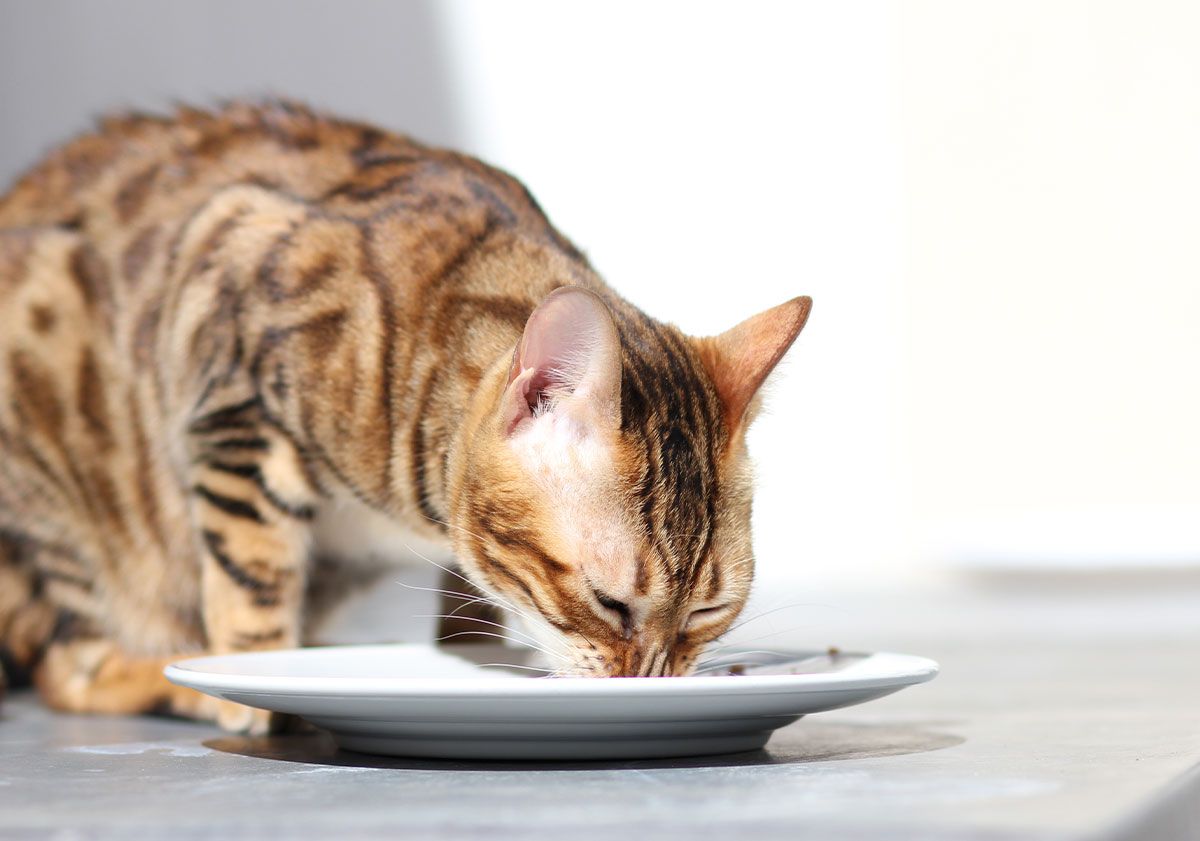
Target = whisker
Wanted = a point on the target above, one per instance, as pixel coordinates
(500, 599)
(501, 637)
(467, 601)
(450, 525)
(758, 616)
(475, 601)
(533, 641)
(736, 643)
(517, 666)
(709, 665)
(711, 655)
(503, 602)
(508, 603)
(468, 597)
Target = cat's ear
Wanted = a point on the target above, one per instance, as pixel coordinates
(568, 362)
(740, 359)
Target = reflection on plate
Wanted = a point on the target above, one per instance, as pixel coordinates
(415, 700)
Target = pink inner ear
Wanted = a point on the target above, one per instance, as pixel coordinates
(558, 343)
(519, 399)
(568, 359)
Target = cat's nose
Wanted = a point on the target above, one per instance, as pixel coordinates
(649, 661)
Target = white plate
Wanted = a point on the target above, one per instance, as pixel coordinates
(414, 700)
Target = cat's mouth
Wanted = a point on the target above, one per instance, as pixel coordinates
(647, 662)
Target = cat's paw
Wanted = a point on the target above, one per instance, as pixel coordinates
(238, 718)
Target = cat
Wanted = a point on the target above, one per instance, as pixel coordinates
(231, 333)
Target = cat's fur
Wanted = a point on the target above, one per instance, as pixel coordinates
(224, 331)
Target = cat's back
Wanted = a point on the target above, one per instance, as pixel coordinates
(135, 166)
(132, 188)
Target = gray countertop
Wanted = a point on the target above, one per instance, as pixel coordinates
(1060, 713)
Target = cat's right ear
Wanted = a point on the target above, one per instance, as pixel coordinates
(568, 363)
(740, 359)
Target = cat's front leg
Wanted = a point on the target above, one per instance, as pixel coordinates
(252, 509)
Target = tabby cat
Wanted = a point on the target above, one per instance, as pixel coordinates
(237, 343)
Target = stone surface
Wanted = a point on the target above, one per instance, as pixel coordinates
(1059, 714)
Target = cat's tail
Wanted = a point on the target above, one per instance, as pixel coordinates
(27, 620)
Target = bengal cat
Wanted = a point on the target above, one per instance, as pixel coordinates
(232, 338)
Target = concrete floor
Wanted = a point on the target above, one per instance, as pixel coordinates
(1059, 714)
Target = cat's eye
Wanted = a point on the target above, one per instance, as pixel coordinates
(705, 613)
(619, 608)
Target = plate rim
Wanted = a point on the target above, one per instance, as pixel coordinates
(906, 670)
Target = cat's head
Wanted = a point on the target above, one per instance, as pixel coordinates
(603, 490)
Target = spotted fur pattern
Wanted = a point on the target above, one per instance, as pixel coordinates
(227, 332)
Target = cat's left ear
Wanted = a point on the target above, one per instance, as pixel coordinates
(740, 359)
(568, 362)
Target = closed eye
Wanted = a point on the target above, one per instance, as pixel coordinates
(619, 608)
(705, 613)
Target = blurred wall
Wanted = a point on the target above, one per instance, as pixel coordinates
(64, 62)
(1052, 280)
(993, 206)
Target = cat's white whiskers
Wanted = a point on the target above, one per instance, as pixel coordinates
(496, 600)
(465, 600)
(466, 597)
(710, 653)
(505, 638)
(549, 672)
(533, 641)
(474, 601)
(712, 665)
(505, 602)
(450, 525)
(760, 615)
(499, 599)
